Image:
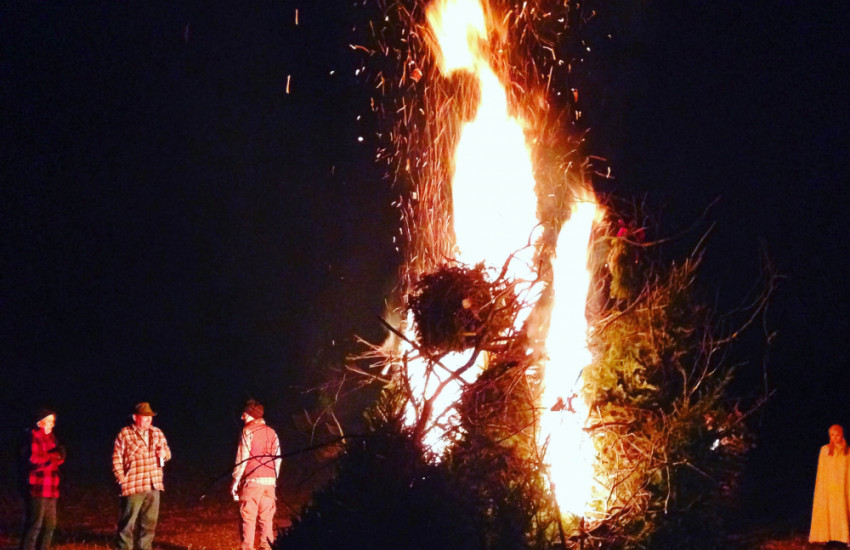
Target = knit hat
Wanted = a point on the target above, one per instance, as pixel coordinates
(42, 413)
(253, 408)
(143, 409)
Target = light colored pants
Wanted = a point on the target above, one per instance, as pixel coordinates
(256, 507)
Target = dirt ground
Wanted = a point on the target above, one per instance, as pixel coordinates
(778, 539)
(87, 515)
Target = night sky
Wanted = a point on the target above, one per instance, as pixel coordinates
(177, 228)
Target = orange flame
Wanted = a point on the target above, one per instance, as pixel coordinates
(494, 203)
(494, 219)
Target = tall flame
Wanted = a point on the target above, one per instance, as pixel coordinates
(494, 203)
(569, 450)
(494, 219)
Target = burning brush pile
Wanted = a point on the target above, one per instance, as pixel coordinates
(548, 381)
(667, 435)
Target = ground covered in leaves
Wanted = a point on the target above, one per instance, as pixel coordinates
(87, 513)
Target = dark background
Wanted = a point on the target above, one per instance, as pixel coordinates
(177, 228)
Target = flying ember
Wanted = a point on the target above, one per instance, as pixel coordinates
(494, 220)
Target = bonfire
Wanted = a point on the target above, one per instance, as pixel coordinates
(511, 414)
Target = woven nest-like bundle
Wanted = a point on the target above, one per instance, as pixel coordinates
(456, 307)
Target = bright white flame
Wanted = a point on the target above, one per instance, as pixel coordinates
(458, 26)
(493, 198)
(495, 206)
(423, 384)
(494, 217)
(570, 454)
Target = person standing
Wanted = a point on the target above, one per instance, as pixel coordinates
(829, 506)
(254, 477)
(139, 454)
(41, 456)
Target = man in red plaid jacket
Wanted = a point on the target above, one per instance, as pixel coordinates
(139, 454)
(42, 456)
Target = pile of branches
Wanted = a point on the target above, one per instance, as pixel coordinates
(385, 495)
(496, 458)
(485, 492)
(670, 432)
(671, 437)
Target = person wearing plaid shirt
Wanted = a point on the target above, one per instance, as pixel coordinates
(139, 454)
(254, 476)
(42, 456)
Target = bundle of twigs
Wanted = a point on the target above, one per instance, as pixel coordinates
(456, 307)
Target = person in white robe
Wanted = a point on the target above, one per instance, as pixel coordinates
(830, 508)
